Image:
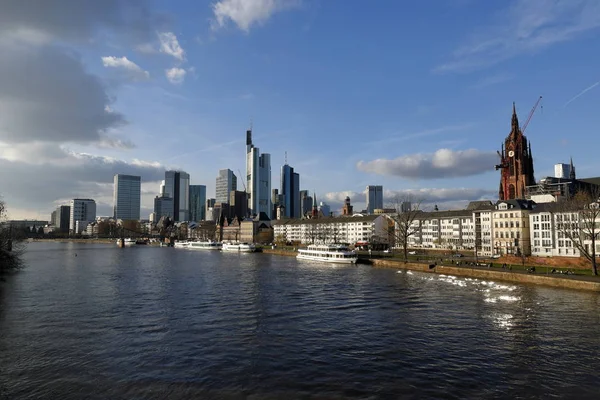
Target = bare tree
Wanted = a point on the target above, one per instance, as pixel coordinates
(406, 221)
(578, 220)
(10, 248)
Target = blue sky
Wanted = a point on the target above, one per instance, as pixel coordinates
(414, 97)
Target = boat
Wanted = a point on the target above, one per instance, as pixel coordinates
(208, 245)
(182, 244)
(331, 253)
(126, 242)
(239, 247)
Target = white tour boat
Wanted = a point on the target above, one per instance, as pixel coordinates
(126, 242)
(184, 244)
(239, 247)
(332, 253)
(208, 245)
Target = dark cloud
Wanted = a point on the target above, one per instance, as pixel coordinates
(444, 163)
(46, 95)
(80, 20)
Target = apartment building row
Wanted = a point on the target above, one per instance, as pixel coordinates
(350, 229)
(509, 227)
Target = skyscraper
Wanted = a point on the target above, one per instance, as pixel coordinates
(374, 198)
(258, 178)
(177, 187)
(197, 203)
(290, 190)
(226, 183)
(306, 202)
(127, 193)
(83, 210)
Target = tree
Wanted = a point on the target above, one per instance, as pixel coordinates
(578, 220)
(407, 211)
(10, 245)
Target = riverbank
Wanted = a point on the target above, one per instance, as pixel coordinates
(73, 240)
(558, 281)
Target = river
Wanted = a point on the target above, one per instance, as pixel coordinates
(98, 322)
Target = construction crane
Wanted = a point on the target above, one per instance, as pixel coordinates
(531, 115)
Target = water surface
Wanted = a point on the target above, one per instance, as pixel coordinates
(95, 321)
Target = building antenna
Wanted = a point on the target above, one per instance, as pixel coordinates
(251, 123)
(286, 158)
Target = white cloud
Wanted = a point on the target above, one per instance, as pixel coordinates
(175, 75)
(170, 45)
(131, 69)
(245, 13)
(444, 163)
(525, 27)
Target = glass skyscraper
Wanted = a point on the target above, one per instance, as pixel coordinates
(197, 203)
(290, 190)
(225, 184)
(374, 198)
(127, 193)
(177, 187)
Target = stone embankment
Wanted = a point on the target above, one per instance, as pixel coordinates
(571, 282)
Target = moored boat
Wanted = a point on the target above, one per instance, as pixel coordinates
(184, 244)
(239, 247)
(126, 242)
(207, 245)
(331, 253)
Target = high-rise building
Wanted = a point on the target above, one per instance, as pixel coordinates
(564, 171)
(62, 216)
(258, 178)
(197, 203)
(238, 201)
(306, 202)
(226, 182)
(374, 198)
(127, 194)
(290, 190)
(81, 210)
(163, 207)
(210, 203)
(177, 186)
(325, 209)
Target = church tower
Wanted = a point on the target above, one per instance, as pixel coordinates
(516, 163)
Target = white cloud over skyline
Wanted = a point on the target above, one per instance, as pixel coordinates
(175, 75)
(443, 163)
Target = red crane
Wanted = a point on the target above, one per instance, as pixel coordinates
(531, 115)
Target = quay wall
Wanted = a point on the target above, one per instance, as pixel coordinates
(578, 283)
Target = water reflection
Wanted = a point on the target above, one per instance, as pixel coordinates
(170, 323)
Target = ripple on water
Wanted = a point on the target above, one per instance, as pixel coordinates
(164, 323)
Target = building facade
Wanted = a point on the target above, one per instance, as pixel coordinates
(511, 227)
(374, 198)
(62, 216)
(225, 183)
(258, 178)
(82, 212)
(177, 187)
(306, 203)
(290, 192)
(516, 163)
(197, 203)
(127, 195)
(352, 230)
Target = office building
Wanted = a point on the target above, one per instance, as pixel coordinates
(60, 218)
(177, 187)
(325, 209)
(306, 202)
(238, 201)
(197, 203)
(290, 191)
(163, 207)
(127, 195)
(82, 211)
(258, 178)
(226, 182)
(374, 198)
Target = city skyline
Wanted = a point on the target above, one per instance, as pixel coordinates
(431, 126)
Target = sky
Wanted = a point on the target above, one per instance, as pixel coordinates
(414, 96)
